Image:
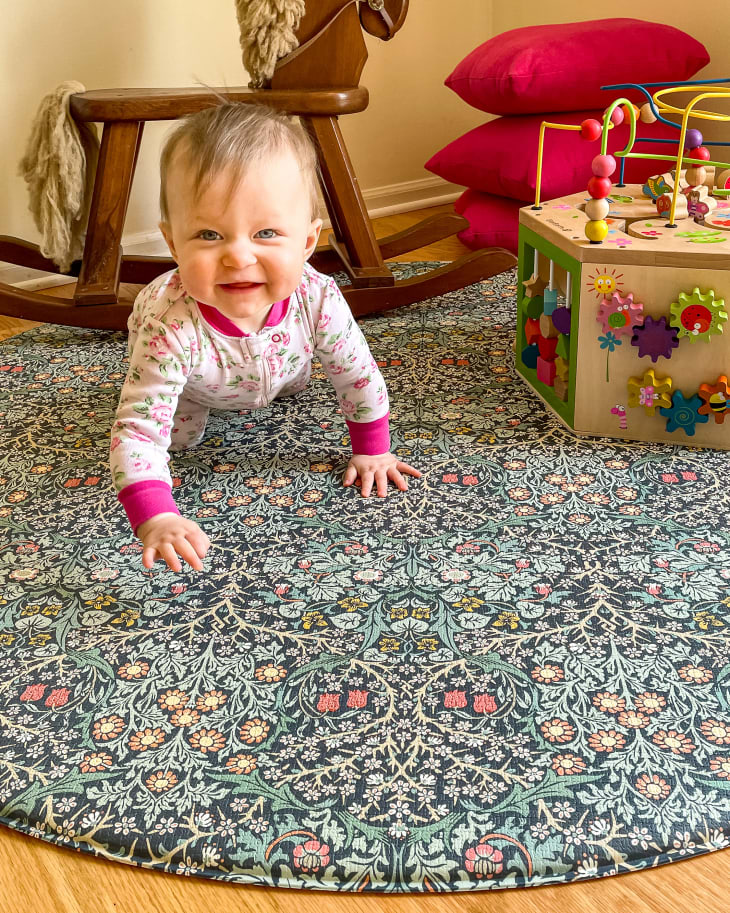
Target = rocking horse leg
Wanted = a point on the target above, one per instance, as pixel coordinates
(99, 276)
(354, 240)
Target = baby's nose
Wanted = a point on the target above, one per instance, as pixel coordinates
(238, 254)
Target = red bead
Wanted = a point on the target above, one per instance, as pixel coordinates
(590, 129)
(603, 166)
(599, 187)
(699, 152)
(617, 116)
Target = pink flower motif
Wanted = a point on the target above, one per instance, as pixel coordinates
(161, 413)
(484, 703)
(357, 699)
(689, 476)
(669, 477)
(661, 562)
(361, 382)
(281, 589)
(522, 563)
(311, 856)
(543, 589)
(470, 480)
(305, 564)
(33, 693)
(450, 477)
(484, 860)
(348, 407)
(328, 703)
(654, 589)
(58, 697)
(454, 699)
(116, 441)
(178, 588)
(324, 320)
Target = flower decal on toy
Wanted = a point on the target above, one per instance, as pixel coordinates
(684, 414)
(619, 314)
(698, 316)
(654, 338)
(716, 399)
(650, 391)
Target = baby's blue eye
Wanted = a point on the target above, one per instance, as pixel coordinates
(207, 234)
(266, 234)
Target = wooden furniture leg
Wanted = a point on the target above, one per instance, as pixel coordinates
(99, 276)
(354, 240)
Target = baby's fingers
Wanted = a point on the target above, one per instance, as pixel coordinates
(187, 551)
(166, 551)
(397, 479)
(199, 541)
(350, 475)
(409, 470)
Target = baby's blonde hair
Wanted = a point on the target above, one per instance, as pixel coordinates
(231, 137)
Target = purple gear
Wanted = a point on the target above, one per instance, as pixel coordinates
(654, 338)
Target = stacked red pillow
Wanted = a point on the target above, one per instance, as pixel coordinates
(552, 73)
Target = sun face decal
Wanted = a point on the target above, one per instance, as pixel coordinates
(604, 281)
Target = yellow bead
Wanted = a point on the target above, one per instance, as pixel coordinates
(597, 230)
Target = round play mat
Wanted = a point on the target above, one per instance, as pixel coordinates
(516, 673)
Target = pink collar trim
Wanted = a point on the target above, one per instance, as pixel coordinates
(221, 323)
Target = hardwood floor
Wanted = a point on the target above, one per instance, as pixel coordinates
(37, 877)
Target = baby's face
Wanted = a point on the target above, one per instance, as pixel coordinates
(242, 247)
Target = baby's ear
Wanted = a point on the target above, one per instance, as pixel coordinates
(167, 235)
(312, 237)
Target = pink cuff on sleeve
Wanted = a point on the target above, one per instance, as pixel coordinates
(143, 500)
(371, 438)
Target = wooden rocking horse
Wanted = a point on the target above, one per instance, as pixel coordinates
(319, 82)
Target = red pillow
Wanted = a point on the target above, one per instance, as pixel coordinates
(501, 156)
(562, 67)
(493, 221)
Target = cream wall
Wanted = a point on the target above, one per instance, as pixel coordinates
(139, 43)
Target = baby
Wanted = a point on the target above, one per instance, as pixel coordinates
(238, 323)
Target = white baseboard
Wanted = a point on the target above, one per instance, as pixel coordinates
(380, 201)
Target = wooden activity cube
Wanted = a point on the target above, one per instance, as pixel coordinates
(633, 339)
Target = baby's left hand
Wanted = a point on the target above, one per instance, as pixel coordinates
(376, 470)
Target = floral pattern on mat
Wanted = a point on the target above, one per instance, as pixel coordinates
(518, 672)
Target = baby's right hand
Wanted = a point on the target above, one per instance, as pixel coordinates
(168, 535)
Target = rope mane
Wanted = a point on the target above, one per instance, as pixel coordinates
(268, 32)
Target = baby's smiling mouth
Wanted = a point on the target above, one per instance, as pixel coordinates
(239, 286)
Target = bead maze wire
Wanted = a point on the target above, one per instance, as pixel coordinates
(655, 109)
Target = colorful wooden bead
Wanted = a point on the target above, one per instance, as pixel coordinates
(596, 231)
(695, 176)
(560, 388)
(702, 153)
(562, 349)
(722, 180)
(546, 371)
(534, 286)
(529, 356)
(562, 318)
(562, 368)
(693, 138)
(534, 308)
(590, 129)
(548, 328)
(603, 166)
(532, 330)
(596, 210)
(547, 347)
(646, 115)
(550, 300)
(599, 187)
(617, 116)
(716, 399)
